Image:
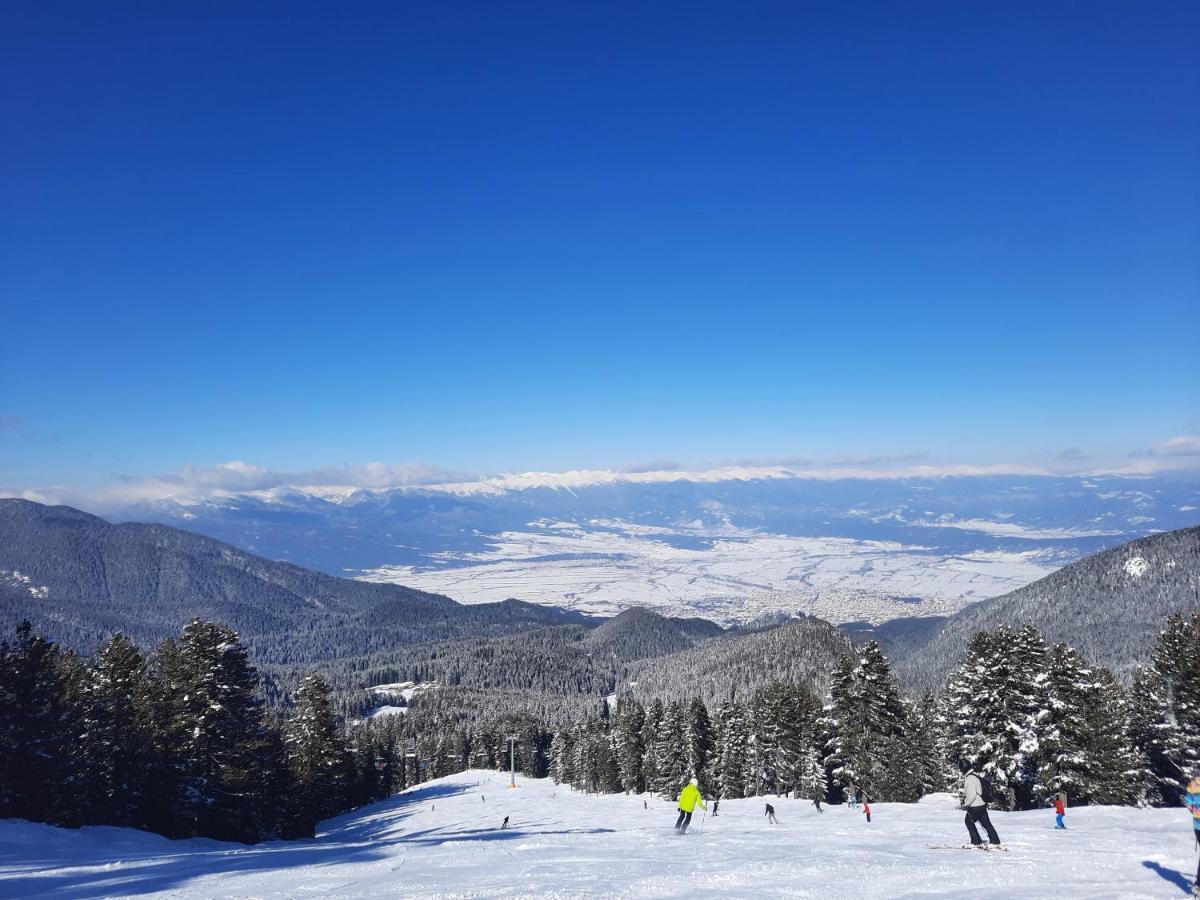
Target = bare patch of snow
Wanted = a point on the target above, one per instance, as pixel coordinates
(1136, 566)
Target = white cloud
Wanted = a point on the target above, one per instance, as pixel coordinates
(1183, 445)
(195, 484)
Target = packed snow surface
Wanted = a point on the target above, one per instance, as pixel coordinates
(443, 839)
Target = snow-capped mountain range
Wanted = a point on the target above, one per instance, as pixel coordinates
(729, 544)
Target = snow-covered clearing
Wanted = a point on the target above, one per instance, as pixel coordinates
(443, 839)
(728, 575)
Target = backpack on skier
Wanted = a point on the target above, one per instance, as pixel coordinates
(986, 794)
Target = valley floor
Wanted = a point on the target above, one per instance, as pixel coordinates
(444, 839)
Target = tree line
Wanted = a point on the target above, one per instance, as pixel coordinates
(180, 742)
(1037, 720)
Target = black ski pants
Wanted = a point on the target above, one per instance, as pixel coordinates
(980, 814)
(684, 820)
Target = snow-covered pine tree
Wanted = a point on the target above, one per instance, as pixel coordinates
(315, 755)
(673, 771)
(732, 740)
(812, 783)
(763, 751)
(698, 742)
(610, 764)
(631, 719)
(651, 769)
(839, 735)
(1085, 752)
(925, 745)
(114, 749)
(796, 711)
(584, 763)
(221, 742)
(997, 703)
(866, 724)
(35, 728)
(1165, 710)
(562, 757)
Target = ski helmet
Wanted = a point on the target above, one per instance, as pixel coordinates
(693, 782)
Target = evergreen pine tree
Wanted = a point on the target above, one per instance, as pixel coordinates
(35, 729)
(651, 769)
(223, 747)
(562, 757)
(673, 767)
(1165, 712)
(698, 741)
(629, 750)
(866, 727)
(732, 746)
(115, 745)
(316, 756)
(925, 746)
(996, 708)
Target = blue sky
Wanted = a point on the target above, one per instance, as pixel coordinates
(501, 238)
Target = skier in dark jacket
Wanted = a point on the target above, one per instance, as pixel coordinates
(977, 811)
(817, 804)
(771, 815)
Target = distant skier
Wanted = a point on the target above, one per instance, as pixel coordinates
(504, 824)
(853, 796)
(771, 815)
(1192, 801)
(975, 800)
(866, 803)
(816, 803)
(483, 798)
(688, 801)
(645, 805)
(1060, 810)
(716, 804)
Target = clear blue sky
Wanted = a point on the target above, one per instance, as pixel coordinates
(508, 237)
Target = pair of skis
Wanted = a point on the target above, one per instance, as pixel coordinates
(987, 848)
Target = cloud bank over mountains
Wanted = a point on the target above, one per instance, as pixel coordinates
(196, 483)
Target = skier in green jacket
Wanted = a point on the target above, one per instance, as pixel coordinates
(688, 801)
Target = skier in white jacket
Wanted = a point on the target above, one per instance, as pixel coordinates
(975, 805)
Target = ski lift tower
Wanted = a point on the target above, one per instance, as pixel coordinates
(512, 761)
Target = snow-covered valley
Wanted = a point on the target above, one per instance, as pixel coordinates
(444, 839)
(730, 545)
(728, 575)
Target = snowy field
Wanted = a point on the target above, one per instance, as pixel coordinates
(729, 575)
(443, 839)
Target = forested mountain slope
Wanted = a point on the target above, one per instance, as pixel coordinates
(79, 578)
(1110, 606)
(803, 651)
(568, 660)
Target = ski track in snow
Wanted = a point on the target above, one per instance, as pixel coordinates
(440, 840)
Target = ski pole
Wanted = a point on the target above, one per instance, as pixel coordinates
(703, 819)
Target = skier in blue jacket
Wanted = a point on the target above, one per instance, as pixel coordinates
(1192, 802)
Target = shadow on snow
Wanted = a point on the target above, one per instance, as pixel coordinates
(362, 836)
(1177, 878)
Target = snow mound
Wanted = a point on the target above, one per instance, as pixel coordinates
(444, 839)
(1136, 566)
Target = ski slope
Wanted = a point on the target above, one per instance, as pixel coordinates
(443, 839)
